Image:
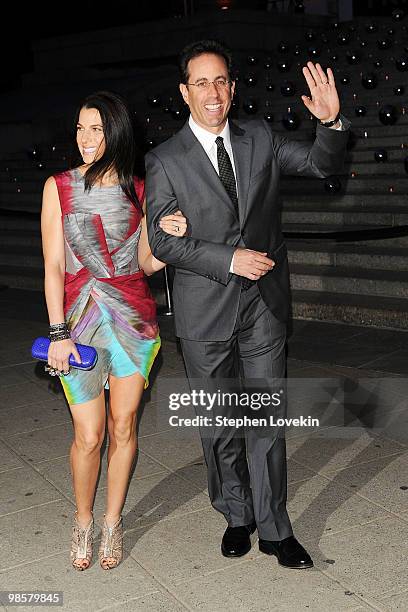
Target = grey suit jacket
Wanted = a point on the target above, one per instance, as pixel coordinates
(180, 175)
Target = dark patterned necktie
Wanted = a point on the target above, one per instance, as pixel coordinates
(228, 180)
(226, 172)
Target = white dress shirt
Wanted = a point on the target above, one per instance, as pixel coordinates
(207, 141)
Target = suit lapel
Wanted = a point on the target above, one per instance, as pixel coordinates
(242, 149)
(198, 159)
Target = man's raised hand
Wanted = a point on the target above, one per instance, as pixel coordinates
(323, 101)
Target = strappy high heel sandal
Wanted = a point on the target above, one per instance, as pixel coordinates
(111, 546)
(81, 545)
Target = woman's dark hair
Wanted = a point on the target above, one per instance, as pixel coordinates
(198, 48)
(120, 146)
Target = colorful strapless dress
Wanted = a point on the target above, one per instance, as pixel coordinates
(107, 301)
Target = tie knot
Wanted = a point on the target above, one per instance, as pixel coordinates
(219, 141)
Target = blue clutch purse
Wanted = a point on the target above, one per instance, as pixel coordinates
(89, 356)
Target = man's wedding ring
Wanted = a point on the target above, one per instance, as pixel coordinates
(177, 228)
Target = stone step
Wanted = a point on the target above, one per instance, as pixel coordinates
(364, 235)
(23, 257)
(22, 277)
(347, 255)
(375, 184)
(24, 175)
(349, 280)
(12, 223)
(17, 237)
(347, 219)
(26, 185)
(395, 154)
(372, 142)
(381, 202)
(357, 309)
(21, 202)
(363, 169)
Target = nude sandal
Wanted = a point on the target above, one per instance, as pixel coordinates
(111, 546)
(81, 545)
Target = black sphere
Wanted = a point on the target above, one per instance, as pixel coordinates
(268, 117)
(401, 64)
(41, 165)
(380, 155)
(290, 121)
(345, 80)
(324, 39)
(310, 35)
(398, 15)
(360, 111)
(288, 89)
(250, 80)
(250, 107)
(371, 28)
(314, 51)
(283, 47)
(343, 39)
(335, 25)
(154, 101)
(363, 43)
(299, 8)
(387, 114)
(283, 66)
(399, 90)
(269, 87)
(377, 63)
(178, 112)
(369, 80)
(384, 43)
(353, 58)
(268, 63)
(151, 143)
(252, 60)
(34, 154)
(332, 185)
(297, 50)
(334, 57)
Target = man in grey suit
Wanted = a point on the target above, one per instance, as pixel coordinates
(231, 287)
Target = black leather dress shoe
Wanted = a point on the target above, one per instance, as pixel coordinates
(289, 552)
(236, 541)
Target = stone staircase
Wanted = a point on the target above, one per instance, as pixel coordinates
(348, 251)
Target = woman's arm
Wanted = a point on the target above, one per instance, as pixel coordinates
(175, 225)
(54, 272)
(53, 251)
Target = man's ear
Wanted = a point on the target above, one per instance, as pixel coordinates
(232, 89)
(184, 92)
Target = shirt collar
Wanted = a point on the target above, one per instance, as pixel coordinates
(206, 138)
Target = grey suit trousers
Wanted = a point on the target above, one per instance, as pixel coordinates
(246, 467)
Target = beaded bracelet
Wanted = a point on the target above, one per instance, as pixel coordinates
(58, 331)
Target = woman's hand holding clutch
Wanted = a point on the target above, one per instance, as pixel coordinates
(59, 352)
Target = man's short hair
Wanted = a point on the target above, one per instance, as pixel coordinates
(199, 48)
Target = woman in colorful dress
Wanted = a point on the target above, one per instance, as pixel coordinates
(97, 256)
